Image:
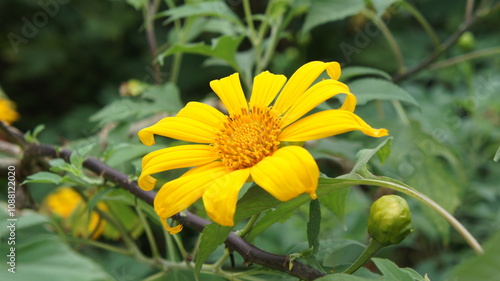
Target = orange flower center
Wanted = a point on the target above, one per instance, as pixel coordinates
(247, 138)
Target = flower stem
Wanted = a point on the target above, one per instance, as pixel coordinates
(149, 233)
(423, 22)
(401, 112)
(177, 60)
(249, 225)
(389, 37)
(373, 247)
(180, 246)
(149, 13)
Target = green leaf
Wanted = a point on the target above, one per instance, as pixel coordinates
(254, 201)
(335, 202)
(44, 177)
(125, 197)
(481, 267)
(341, 277)
(159, 98)
(391, 271)
(213, 235)
(420, 152)
(125, 153)
(31, 137)
(202, 8)
(27, 219)
(365, 155)
(126, 216)
(313, 225)
(46, 257)
(382, 5)
(368, 89)
(41, 255)
(384, 151)
(356, 71)
(280, 213)
(137, 4)
(323, 11)
(223, 48)
(76, 159)
(497, 155)
(166, 98)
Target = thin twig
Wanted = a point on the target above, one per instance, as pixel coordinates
(149, 14)
(432, 57)
(465, 57)
(389, 37)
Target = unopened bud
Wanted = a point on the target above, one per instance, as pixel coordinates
(467, 42)
(390, 220)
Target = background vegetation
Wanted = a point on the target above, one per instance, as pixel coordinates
(95, 72)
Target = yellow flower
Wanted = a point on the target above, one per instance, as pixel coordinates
(7, 112)
(245, 145)
(70, 207)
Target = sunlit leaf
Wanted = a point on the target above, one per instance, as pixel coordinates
(201, 8)
(156, 99)
(382, 5)
(361, 71)
(44, 177)
(223, 48)
(365, 155)
(391, 271)
(323, 11)
(213, 236)
(368, 89)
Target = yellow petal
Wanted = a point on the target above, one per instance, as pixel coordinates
(328, 123)
(181, 128)
(203, 113)
(333, 70)
(265, 88)
(300, 81)
(172, 230)
(175, 157)
(221, 196)
(181, 193)
(317, 94)
(230, 92)
(289, 172)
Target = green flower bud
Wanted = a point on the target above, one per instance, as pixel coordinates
(390, 220)
(467, 42)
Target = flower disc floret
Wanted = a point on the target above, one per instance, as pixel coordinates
(247, 138)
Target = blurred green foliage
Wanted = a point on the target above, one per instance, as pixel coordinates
(65, 64)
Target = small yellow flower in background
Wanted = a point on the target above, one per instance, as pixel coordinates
(245, 145)
(72, 209)
(8, 114)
